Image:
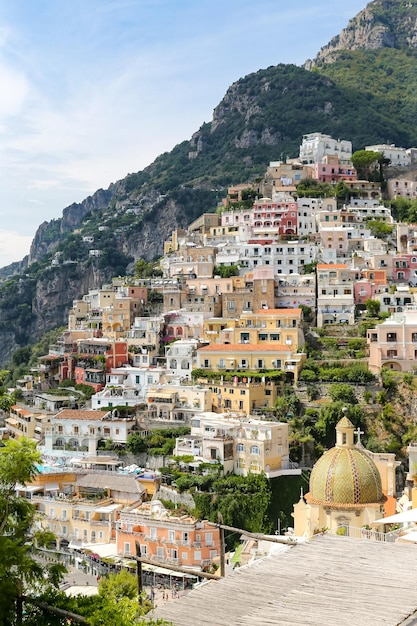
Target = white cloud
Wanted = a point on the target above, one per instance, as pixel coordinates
(14, 89)
(13, 246)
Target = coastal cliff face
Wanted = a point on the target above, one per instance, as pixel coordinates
(382, 24)
(261, 118)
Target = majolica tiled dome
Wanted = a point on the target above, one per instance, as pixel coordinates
(345, 474)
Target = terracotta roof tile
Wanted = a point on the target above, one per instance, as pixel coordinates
(79, 414)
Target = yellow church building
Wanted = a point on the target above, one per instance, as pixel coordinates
(348, 488)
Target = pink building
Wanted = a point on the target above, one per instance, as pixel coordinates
(393, 344)
(405, 268)
(331, 171)
(365, 290)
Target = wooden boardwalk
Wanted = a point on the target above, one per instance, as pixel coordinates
(330, 581)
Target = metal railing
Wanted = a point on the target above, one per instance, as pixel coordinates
(365, 533)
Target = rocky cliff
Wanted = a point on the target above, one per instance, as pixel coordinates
(382, 24)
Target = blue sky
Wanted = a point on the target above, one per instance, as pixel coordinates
(94, 89)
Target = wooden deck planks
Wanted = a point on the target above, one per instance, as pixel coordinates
(331, 580)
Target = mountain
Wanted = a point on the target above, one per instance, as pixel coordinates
(382, 24)
(362, 86)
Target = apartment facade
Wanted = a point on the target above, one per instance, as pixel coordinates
(239, 442)
(81, 430)
(166, 537)
(393, 344)
(335, 294)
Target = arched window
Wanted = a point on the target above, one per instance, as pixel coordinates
(240, 447)
(254, 450)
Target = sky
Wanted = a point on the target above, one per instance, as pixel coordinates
(91, 90)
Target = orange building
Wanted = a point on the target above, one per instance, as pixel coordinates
(167, 537)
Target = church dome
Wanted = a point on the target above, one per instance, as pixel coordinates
(345, 475)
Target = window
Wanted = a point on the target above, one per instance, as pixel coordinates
(274, 336)
(143, 549)
(171, 535)
(64, 530)
(260, 364)
(391, 337)
(126, 547)
(255, 450)
(197, 555)
(231, 305)
(184, 556)
(152, 532)
(240, 447)
(209, 539)
(160, 552)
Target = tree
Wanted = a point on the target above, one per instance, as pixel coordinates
(379, 229)
(343, 392)
(116, 604)
(373, 307)
(330, 415)
(365, 163)
(20, 573)
(342, 191)
(308, 313)
(135, 444)
(146, 270)
(226, 271)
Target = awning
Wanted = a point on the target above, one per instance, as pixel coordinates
(98, 460)
(411, 537)
(102, 549)
(31, 489)
(51, 487)
(399, 518)
(108, 509)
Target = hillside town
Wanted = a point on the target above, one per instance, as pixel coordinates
(207, 344)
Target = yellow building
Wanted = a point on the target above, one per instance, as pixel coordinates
(242, 395)
(84, 513)
(266, 326)
(23, 422)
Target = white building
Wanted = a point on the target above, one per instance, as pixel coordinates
(127, 386)
(180, 358)
(81, 430)
(398, 156)
(296, 289)
(316, 145)
(240, 443)
(286, 257)
(335, 294)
